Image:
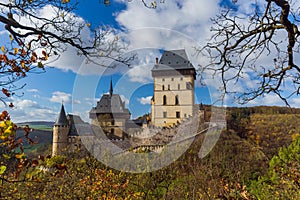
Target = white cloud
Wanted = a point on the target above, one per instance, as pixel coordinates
(33, 90)
(145, 100)
(60, 97)
(295, 102)
(26, 103)
(29, 110)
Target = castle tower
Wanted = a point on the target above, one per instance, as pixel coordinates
(173, 98)
(110, 114)
(60, 133)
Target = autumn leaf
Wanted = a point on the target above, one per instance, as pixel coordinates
(2, 169)
(16, 50)
(23, 53)
(11, 105)
(5, 156)
(34, 54)
(34, 163)
(5, 92)
(11, 38)
(22, 63)
(20, 156)
(65, 1)
(40, 65)
(5, 59)
(3, 49)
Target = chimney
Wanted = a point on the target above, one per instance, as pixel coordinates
(156, 61)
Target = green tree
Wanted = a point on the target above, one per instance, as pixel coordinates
(283, 178)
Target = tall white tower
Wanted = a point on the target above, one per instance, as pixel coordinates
(173, 98)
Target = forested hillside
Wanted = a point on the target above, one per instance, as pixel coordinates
(257, 157)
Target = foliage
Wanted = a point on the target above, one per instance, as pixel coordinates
(34, 40)
(266, 127)
(236, 168)
(283, 178)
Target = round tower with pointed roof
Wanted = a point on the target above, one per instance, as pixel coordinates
(60, 133)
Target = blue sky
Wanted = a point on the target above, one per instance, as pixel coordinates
(174, 24)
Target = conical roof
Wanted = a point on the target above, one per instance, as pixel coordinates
(62, 118)
(110, 88)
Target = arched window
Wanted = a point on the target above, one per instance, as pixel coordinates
(176, 100)
(164, 100)
(163, 87)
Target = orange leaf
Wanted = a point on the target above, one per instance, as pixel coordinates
(23, 53)
(16, 50)
(5, 59)
(22, 63)
(5, 92)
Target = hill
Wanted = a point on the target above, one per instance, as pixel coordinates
(41, 134)
(38, 125)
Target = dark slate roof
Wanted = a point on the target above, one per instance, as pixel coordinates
(62, 118)
(173, 59)
(75, 121)
(110, 104)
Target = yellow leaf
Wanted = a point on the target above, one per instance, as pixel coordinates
(22, 64)
(5, 156)
(2, 137)
(8, 131)
(11, 38)
(20, 156)
(88, 25)
(2, 169)
(16, 50)
(3, 124)
(3, 49)
(65, 1)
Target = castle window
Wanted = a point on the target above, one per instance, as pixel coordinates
(188, 85)
(163, 87)
(164, 100)
(176, 100)
(165, 114)
(168, 87)
(178, 86)
(172, 79)
(163, 79)
(113, 122)
(177, 114)
(181, 78)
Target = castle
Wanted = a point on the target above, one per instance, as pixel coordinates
(110, 113)
(173, 98)
(172, 103)
(65, 135)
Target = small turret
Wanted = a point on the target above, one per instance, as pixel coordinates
(111, 88)
(60, 133)
(62, 117)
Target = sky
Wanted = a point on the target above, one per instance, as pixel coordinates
(176, 24)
